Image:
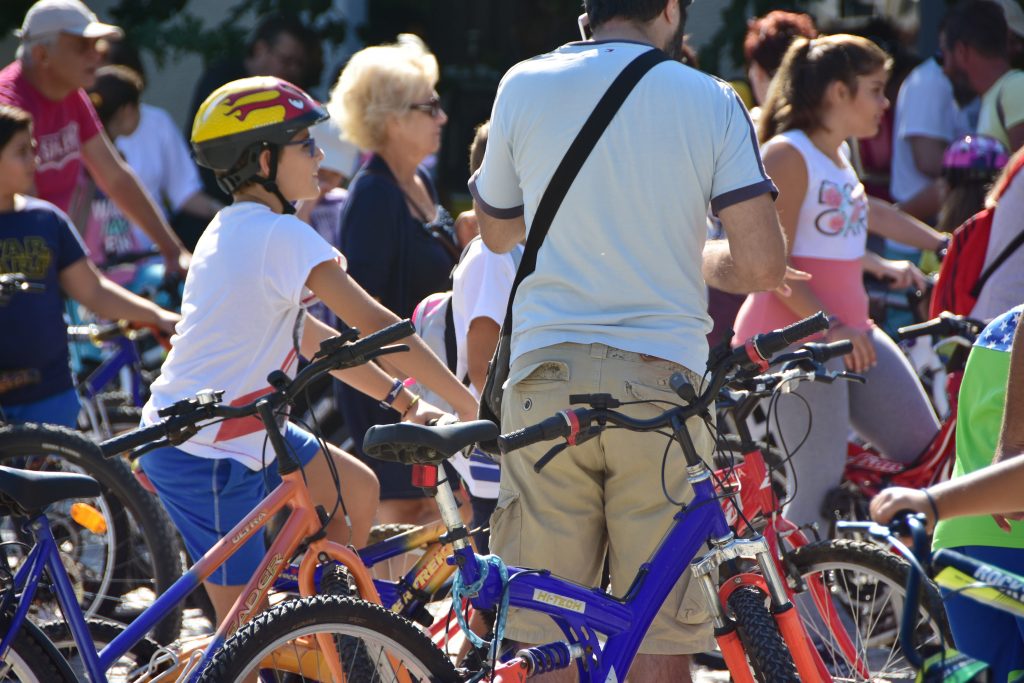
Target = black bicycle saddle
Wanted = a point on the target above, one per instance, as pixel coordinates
(33, 491)
(414, 444)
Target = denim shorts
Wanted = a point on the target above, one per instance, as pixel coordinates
(207, 497)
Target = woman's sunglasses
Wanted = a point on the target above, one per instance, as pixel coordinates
(308, 144)
(431, 106)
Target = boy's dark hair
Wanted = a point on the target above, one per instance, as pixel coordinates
(115, 87)
(979, 24)
(600, 11)
(125, 53)
(12, 120)
(478, 146)
(769, 37)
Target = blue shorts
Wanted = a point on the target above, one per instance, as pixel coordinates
(59, 409)
(206, 498)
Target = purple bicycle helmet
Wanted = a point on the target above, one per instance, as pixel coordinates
(974, 158)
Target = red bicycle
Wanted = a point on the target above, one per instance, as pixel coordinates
(850, 594)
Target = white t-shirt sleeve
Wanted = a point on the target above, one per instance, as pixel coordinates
(294, 248)
(495, 185)
(926, 108)
(738, 173)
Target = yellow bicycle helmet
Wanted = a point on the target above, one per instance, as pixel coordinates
(242, 118)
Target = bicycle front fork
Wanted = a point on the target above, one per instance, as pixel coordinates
(768, 581)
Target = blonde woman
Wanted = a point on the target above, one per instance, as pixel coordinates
(398, 239)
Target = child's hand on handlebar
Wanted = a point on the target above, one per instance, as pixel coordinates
(862, 358)
(422, 412)
(889, 501)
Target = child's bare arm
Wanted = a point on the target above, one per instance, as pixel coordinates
(351, 303)
(83, 283)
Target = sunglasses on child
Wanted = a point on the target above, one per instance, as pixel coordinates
(308, 144)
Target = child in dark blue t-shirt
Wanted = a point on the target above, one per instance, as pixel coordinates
(38, 240)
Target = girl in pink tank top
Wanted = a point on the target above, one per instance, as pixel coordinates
(826, 91)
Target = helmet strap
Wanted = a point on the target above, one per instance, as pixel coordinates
(270, 182)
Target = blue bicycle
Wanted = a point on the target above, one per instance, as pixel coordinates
(980, 581)
(757, 627)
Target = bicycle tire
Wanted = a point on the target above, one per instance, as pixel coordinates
(144, 552)
(766, 650)
(358, 626)
(864, 581)
(102, 632)
(32, 658)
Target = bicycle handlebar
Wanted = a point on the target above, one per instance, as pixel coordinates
(755, 352)
(181, 419)
(946, 325)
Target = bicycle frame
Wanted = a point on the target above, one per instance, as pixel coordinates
(581, 612)
(303, 522)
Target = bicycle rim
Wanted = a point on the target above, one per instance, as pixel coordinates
(866, 596)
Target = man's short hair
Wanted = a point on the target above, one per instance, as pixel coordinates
(979, 24)
(271, 26)
(641, 11)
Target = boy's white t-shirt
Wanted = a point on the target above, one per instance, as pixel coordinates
(481, 285)
(242, 313)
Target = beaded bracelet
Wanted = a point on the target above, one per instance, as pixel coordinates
(414, 401)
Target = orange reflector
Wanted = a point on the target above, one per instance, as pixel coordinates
(89, 517)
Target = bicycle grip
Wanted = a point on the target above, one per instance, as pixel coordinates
(129, 441)
(938, 326)
(381, 338)
(825, 352)
(770, 343)
(551, 428)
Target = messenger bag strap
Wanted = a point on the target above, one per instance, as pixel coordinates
(577, 154)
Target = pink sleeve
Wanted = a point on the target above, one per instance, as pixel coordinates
(88, 121)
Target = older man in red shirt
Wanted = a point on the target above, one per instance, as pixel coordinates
(61, 47)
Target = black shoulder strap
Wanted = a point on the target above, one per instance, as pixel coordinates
(1006, 253)
(573, 161)
(451, 348)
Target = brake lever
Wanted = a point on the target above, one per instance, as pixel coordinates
(851, 376)
(549, 456)
(385, 350)
(582, 437)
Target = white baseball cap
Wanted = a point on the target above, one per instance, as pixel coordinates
(1014, 15)
(48, 17)
(339, 154)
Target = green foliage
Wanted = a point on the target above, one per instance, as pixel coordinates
(727, 42)
(168, 30)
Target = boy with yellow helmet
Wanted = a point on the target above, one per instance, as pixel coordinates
(255, 271)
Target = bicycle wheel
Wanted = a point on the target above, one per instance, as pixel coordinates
(119, 565)
(766, 650)
(102, 632)
(371, 643)
(32, 659)
(866, 585)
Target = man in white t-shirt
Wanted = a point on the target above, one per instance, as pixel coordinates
(617, 302)
(927, 120)
(976, 55)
